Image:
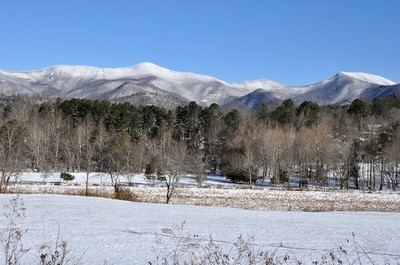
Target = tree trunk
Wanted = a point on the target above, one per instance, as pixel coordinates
(169, 193)
(87, 183)
(2, 181)
(382, 176)
(396, 178)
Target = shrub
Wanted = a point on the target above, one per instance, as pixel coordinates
(283, 177)
(59, 253)
(180, 247)
(150, 172)
(12, 240)
(303, 183)
(240, 175)
(125, 194)
(236, 176)
(66, 176)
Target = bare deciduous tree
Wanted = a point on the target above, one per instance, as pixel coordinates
(172, 164)
(39, 141)
(119, 158)
(12, 135)
(86, 130)
(392, 155)
(277, 144)
(197, 159)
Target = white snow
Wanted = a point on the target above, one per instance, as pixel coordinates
(103, 179)
(263, 84)
(92, 82)
(121, 232)
(373, 79)
(173, 76)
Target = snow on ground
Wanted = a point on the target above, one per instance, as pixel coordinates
(216, 191)
(122, 232)
(96, 178)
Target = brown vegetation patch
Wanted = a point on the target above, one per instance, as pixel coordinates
(260, 199)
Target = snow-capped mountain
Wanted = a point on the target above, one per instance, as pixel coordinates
(341, 88)
(147, 83)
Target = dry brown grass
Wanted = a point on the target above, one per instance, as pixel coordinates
(263, 199)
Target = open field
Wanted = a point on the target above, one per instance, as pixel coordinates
(303, 224)
(121, 232)
(217, 192)
(242, 198)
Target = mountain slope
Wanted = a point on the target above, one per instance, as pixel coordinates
(341, 88)
(147, 83)
(253, 100)
(153, 83)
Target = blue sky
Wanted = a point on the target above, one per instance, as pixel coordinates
(291, 42)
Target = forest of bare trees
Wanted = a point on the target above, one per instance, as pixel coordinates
(354, 146)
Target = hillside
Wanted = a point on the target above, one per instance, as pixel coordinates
(149, 84)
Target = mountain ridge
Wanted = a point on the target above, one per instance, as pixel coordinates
(152, 83)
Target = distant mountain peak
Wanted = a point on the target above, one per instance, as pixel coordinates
(147, 68)
(369, 78)
(147, 65)
(150, 68)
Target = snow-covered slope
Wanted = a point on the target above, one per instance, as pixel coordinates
(341, 88)
(369, 78)
(147, 83)
(146, 79)
(254, 100)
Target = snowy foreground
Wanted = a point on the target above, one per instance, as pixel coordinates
(121, 232)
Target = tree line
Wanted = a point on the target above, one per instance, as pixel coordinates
(356, 145)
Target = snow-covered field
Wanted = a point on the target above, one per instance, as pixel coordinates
(216, 191)
(121, 232)
(103, 179)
